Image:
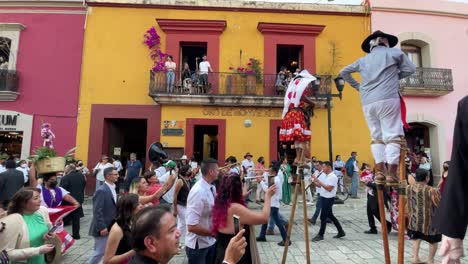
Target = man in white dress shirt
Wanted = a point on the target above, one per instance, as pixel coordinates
(328, 187)
(200, 246)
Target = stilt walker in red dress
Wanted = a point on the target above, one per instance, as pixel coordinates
(297, 111)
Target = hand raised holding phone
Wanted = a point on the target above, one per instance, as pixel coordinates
(271, 190)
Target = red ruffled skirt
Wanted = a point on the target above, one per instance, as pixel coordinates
(294, 127)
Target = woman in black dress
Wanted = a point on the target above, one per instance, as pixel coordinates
(119, 245)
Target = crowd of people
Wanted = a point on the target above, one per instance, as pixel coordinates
(198, 202)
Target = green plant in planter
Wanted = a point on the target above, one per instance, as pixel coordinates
(42, 153)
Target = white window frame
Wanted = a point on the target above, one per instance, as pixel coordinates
(13, 32)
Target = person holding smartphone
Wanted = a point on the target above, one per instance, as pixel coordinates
(229, 202)
(27, 217)
(275, 203)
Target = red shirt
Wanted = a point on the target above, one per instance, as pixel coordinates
(151, 190)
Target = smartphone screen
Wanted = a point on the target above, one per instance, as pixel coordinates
(52, 230)
(271, 180)
(236, 224)
(194, 164)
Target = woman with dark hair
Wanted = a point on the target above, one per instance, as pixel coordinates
(119, 245)
(153, 185)
(421, 203)
(170, 66)
(287, 189)
(229, 201)
(33, 225)
(441, 184)
(181, 192)
(53, 195)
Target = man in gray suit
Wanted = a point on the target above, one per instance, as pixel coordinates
(104, 208)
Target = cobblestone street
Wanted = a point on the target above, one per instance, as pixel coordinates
(356, 247)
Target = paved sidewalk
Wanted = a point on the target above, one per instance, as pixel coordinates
(356, 247)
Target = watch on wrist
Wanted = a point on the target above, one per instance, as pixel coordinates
(225, 262)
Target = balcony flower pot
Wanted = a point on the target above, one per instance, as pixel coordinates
(251, 84)
(160, 81)
(231, 82)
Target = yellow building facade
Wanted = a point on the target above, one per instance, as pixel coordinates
(122, 110)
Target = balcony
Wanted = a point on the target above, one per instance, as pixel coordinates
(8, 85)
(225, 89)
(428, 82)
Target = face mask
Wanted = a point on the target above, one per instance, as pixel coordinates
(24, 165)
(53, 184)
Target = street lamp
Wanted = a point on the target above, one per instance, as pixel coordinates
(339, 83)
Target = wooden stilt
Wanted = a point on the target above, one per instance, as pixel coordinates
(402, 204)
(306, 225)
(383, 222)
(291, 221)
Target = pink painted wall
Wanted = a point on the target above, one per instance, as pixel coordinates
(49, 65)
(449, 35)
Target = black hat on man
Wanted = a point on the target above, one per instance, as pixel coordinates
(392, 40)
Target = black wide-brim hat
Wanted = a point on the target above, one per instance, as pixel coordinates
(392, 40)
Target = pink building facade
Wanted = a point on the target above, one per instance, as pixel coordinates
(41, 48)
(434, 35)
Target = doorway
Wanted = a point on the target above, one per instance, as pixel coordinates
(289, 56)
(192, 53)
(205, 142)
(418, 138)
(11, 143)
(126, 136)
(206, 138)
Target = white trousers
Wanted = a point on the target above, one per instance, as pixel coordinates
(260, 192)
(384, 121)
(181, 217)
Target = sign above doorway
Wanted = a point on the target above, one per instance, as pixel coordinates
(172, 132)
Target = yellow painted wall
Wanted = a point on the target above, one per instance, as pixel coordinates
(116, 67)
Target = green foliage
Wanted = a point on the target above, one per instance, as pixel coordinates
(42, 153)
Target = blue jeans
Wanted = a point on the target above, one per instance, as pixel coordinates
(354, 184)
(271, 223)
(327, 212)
(318, 207)
(201, 256)
(170, 78)
(99, 249)
(274, 212)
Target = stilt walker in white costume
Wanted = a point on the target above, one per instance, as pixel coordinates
(381, 70)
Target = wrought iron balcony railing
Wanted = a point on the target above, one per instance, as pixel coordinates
(8, 85)
(428, 82)
(222, 88)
